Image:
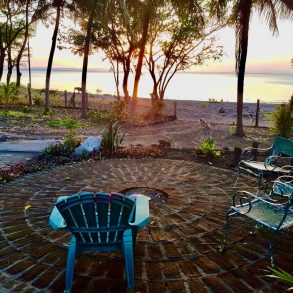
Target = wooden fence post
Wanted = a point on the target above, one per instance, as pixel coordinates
(175, 110)
(257, 113)
(65, 98)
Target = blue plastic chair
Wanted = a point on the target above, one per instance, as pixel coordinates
(100, 222)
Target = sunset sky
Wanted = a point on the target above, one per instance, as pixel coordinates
(266, 53)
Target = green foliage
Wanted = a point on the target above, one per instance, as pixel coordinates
(232, 129)
(203, 105)
(14, 114)
(281, 275)
(70, 140)
(283, 120)
(64, 122)
(156, 111)
(111, 138)
(27, 109)
(101, 117)
(57, 150)
(119, 108)
(207, 147)
(38, 101)
(8, 93)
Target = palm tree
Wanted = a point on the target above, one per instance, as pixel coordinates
(58, 4)
(240, 18)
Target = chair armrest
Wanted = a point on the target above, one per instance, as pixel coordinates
(56, 220)
(248, 153)
(142, 212)
(278, 161)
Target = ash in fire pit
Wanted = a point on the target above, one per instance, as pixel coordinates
(157, 196)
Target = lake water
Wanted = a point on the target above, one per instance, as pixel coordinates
(183, 86)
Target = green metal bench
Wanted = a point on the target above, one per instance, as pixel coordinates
(100, 221)
(278, 160)
(273, 210)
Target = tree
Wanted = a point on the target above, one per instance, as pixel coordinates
(58, 5)
(178, 42)
(89, 39)
(241, 11)
(123, 29)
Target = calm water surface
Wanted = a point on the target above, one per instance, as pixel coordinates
(184, 86)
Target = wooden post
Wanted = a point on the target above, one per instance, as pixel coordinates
(257, 113)
(65, 98)
(254, 150)
(237, 155)
(86, 100)
(175, 110)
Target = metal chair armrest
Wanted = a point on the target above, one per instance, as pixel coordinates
(142, 213)
(248, 153)
(56, 221)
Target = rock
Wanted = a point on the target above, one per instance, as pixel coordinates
(90, 144)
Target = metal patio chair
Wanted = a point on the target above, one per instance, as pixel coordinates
(273, 210)
(100, 221)
(278, 161)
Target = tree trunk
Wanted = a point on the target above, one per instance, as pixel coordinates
(125, 85)
(51, 56)
(143, 41)
(241, 59)
(85, 65)
(9, 66)
(2, 59)
(19, 56)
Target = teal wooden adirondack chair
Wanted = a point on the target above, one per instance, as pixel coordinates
(278, 160)
(100, 222)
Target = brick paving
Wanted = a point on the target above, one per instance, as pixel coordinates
(177, 252)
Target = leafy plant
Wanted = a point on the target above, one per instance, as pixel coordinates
(8, 93)
(101, 117)
(57, 150)
(38, 101)
(156, 111)
(119, 108)
(64, 122)
(281, 275)
(283, 120)
(207, 147)
(111, 138)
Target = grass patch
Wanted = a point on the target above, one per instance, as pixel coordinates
(64, 122)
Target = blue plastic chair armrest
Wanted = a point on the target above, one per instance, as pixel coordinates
(60, 198)
(56, 220)
(142, 212)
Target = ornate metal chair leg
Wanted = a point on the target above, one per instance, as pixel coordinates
(271, 249)
(224, 245)
(237, 178)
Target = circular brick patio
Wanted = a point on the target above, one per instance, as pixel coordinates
(177, 252)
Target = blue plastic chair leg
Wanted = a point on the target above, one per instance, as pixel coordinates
(128, 254)
(70, 264)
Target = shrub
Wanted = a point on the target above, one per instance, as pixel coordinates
(57, 150)
(207, 147)
(156, 111)
(64, 122)
(8, 93)
(119, 110)
(281, 275)
(111, 139)
(38, 101)
(101, 117)
(283, 120)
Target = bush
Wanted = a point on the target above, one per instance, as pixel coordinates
(207, 147)
(111, 139)
(38, 101)
(64, 122)
(119, 110)
(101, 117)
(57, 150)
(156, 112)
(8, 93)
(283, 120)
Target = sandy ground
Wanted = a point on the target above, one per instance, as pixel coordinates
(187, 132)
